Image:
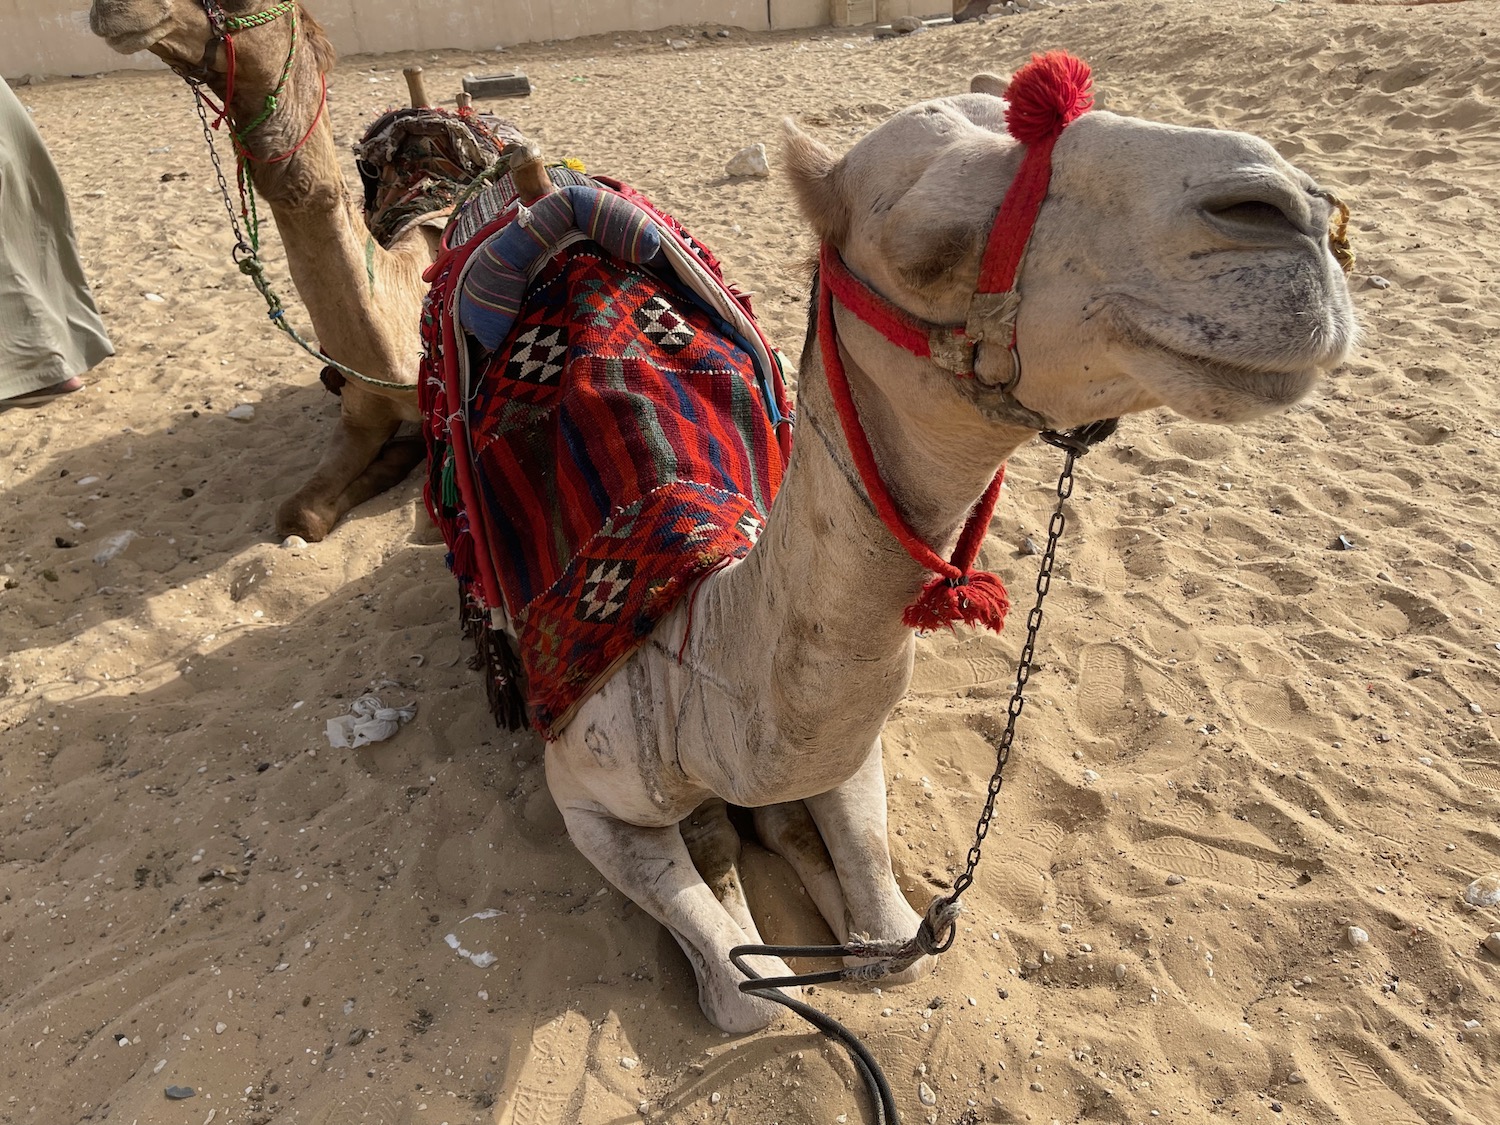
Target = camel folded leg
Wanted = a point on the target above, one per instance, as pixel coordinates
(852, 822)
(361, 462)
(715, 847)
(788, 830)
(654, 868)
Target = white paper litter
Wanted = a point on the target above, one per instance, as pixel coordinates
(111, 547)
(369, 720)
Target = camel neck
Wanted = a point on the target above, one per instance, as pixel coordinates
(826, 585)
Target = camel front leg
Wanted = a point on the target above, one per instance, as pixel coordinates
(653, 867)
(852, 822)
(360, 462)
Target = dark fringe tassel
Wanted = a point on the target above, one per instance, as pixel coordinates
(495, 656)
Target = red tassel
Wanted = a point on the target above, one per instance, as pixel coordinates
(975, 598)
(1046, 94)
(465, 561)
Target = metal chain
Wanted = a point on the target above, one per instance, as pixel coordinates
(1024, 665)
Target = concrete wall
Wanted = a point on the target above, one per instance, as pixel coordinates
(53, 37)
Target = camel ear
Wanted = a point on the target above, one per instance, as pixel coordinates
(814, 172)
(988, 84)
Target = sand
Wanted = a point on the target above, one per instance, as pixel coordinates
(1241, 743)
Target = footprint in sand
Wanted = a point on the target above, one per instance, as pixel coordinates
(1106, 678)
(549, 1088)
(1365, 1095)
(368, 1108)
(1020, 881)
(1180, 856)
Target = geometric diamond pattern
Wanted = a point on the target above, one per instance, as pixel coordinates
(660, 323)
(604, 590)
(537, 356)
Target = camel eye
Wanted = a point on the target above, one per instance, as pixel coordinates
(1255, 214)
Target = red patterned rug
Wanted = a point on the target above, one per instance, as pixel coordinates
(626, 436)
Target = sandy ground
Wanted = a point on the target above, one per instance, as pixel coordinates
(1242, 743)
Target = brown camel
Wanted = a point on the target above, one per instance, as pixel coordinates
(364, 299)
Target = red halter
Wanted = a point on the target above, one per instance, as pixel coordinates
(1044, 96)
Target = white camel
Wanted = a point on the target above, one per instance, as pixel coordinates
(1167, 266)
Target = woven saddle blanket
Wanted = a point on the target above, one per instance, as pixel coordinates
(605, 425)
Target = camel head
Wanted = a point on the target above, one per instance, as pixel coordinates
(1167, 265)
(182, 34)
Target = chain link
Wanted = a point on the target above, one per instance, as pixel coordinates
(1074, 443)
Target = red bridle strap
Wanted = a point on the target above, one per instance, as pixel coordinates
(1044, 96)
(958, 593)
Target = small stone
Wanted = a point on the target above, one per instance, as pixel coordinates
(1037, 1088)
(1120, 972)
(241, 413)
(1275, 1107)
(1358, 936)
(1175, 880)
(628, 1063)
(1089, 777)
(1295, 1078)
(1475, 709)
(1029, 547)
(1483, 891)
(1470, 1025)
(178, 1093)
(1492, 943)
(220, 1028)
(293, 543)
(1378, 282)
(1065, 929)
(1464, 546)
(925, 1094)
(1343, 543)
(678, 44)
(1225, 486)
(905, 25)
(154, 298)
(715, 1098)
(749, 161)
(722, 33)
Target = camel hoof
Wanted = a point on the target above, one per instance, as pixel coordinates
(293, 519)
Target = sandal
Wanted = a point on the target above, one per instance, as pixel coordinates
(45, 394)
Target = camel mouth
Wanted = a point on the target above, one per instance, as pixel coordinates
(128, 31)
(1204, 389)
(130, 42)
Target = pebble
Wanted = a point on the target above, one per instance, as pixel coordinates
(1120, 972)
(241, 413)
(1029, 547)
(1464, 546)
(1295, 1078)
(629, 1063)
(715, 1098)
(178, 1093)
(1378, 282)
(1175, 880)
(925, 1094)
(905, 25)
(1089, 777)
(155, 298)
(1358, 936)
(749, 161)
(1492, 943)
(1037, 1087)
(678, 44)
(1483, 891)
(1343, 543)
(220, 1028)
(293, 543)
(1475, 709)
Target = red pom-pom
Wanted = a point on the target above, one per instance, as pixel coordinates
(976, 598)
(1047, 93)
